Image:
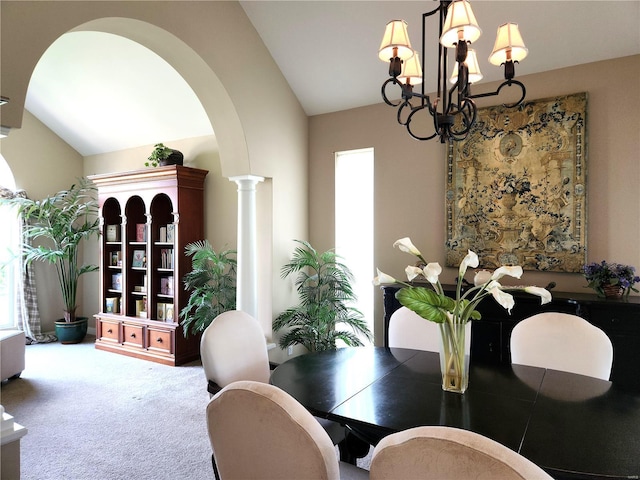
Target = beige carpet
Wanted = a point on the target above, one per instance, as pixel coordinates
(94, 415)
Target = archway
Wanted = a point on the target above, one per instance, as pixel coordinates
(234, 157)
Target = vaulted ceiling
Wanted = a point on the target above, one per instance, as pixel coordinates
(327, 51)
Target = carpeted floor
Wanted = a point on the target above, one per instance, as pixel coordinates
(94, 415)
(97, 415)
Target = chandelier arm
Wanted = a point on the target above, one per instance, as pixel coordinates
(384, 94)
(408, 123)
(437, 9)
(506, 83)
(457, 137)
(401, 109)
(469, 112)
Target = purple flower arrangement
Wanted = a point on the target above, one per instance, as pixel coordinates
(601, 274)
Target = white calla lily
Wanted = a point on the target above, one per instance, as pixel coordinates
(503, 298)
(412, 272)
(543, 293)
(515, 272)
(405, 245)
(432, 271)
(470, 260)
(383, 278)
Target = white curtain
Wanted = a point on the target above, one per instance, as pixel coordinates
(27, 315)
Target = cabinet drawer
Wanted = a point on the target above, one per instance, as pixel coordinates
(109, 330)
(160, 340)
(132, 335)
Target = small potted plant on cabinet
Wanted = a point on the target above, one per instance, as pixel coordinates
(59, 223)
(162, 155)
(611, 280)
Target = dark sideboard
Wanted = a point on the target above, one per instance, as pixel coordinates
(491, 336)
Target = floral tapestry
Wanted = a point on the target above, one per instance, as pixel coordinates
(516, 187)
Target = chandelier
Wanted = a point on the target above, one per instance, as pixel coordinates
(453, 111)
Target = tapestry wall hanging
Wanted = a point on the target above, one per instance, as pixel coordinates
(516, 187)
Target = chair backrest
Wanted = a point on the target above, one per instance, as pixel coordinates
(257, 430)
(448, 453)
(561, 341)
(233, 347)
(407, 329)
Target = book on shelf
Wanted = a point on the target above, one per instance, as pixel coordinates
(166, 258)
(112, 233)
(139, 258)
(141, 307)
(168, 312)
(141, 232)
(116, 282)
(112, 304)
(166, 285)
(116, 259)
(139, 288)
(171, 232)
(161, 312)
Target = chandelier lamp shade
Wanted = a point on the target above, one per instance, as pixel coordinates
(453, 112)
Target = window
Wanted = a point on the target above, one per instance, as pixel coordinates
(9, 245)
(354, 222)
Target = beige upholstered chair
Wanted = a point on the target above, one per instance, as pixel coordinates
(233, 347)
(443, 453)
(258, 431)
(561, 341)
(407, 329)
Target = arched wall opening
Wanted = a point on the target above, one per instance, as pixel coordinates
(261, 127)
(234, 158)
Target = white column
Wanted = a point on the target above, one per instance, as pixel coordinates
(247, 281)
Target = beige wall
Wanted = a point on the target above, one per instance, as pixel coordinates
(410, 175)
(260, 126)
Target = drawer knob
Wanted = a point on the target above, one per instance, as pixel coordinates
(159, 340)
(109, 331)
(133, 335)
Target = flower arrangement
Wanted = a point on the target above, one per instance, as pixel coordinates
(600, 275)
(453, 314)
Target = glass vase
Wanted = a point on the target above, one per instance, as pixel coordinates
(455, 351)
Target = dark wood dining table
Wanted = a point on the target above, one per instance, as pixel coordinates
(573, 426)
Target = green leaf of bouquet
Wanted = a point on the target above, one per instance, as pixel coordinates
(426, 303)
(474, 314)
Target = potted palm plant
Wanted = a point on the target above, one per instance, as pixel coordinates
(59, 223)
(323, 283)
(212, 282)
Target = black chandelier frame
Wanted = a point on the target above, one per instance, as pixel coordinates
(454, 103)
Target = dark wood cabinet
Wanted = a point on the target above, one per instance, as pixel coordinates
(147, 218)
(491, 336)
